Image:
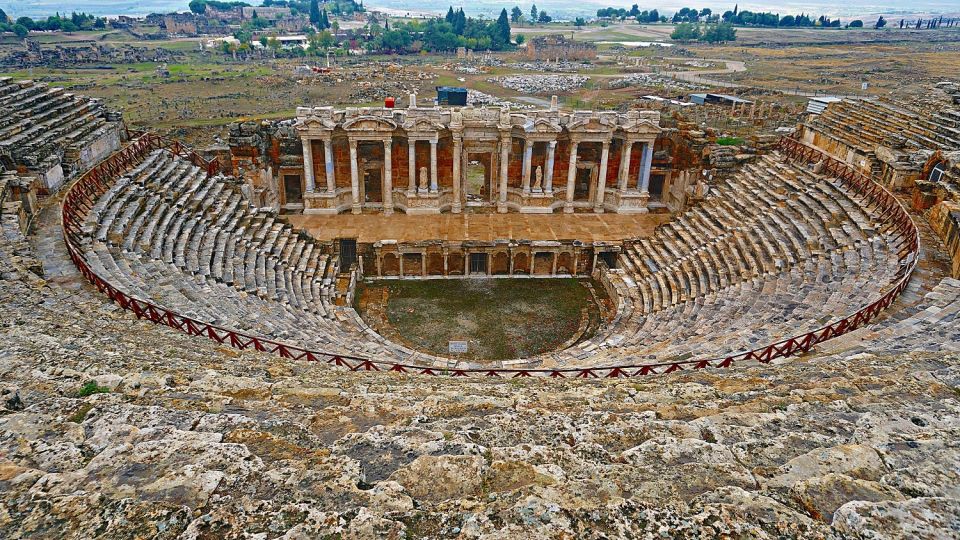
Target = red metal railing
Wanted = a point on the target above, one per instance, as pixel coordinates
(82, 195)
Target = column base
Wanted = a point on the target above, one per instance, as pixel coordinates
(568, 208)
(388, 211)
(356, 209)
(502, 208)
(598, 210)
(456, 209)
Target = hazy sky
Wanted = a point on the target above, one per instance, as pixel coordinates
(558, 8)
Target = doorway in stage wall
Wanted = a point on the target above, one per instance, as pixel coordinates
(478, 263)
(373, 183)
(348, 252)
(477, 179)
(292, 190)
(656, 187)
(581, 187)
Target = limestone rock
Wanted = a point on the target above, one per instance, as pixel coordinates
(931, 518)
(822, 495)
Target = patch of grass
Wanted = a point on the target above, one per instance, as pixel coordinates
(80, 414)
(90, 387)
(729, 141)
(499, 318)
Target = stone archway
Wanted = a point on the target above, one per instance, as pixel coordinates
(389, 265)
(565, 263)
(521, 263)
(500, 264)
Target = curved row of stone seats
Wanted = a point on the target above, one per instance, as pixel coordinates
(165, 208)
(748, 228)
(35, 120)
(765, 309)
(867, 123)
(166, 233)
(774, 252)
(931, 326)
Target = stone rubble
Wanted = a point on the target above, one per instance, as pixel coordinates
(540, 84)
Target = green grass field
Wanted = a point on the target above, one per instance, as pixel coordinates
(499, 318)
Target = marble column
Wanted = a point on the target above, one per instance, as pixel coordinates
(571, 177)
(354, 179)
(388, 176)
(505, 143)
(457, 172)
(602, 178)
(624, 175)
(433, 166)
(548, 176)
(645, 164)
(412, 165)
(527, 163)
(328, 165)
(308, 165)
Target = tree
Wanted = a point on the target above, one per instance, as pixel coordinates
(3, 17)
(881, 22)
(856, 24)
(274, 45)
(314, 12)
(502, 26)
(198, 6)
(324, 20)
(533, 14)
(516, 15)
(521, 39)
(579, 22)
(20, 30)
(685, 32)
(544, 18)
(718, 33)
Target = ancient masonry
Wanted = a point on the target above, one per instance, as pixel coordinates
(917, 151)
(218, 424)
(427, 160)
(48, 135)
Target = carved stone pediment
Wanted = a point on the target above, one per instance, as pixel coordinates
(541, 125)
(591, 126)
(369, 124)
(642, 126)
(315, 124)
(422, 125)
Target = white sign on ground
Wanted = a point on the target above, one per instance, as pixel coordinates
(457, 347)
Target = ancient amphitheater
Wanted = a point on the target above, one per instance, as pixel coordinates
(180, 360)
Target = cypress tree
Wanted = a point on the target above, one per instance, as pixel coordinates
(314, 12)
(503, 26)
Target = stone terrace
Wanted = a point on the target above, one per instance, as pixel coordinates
(53, 134)
(196, 441)
(799, 252)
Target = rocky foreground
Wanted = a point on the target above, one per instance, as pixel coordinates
(180, 438)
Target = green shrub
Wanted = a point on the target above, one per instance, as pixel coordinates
(90, 387)
(729, 141)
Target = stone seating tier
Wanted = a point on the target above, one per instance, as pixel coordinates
(38, 122)
(768, 254)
